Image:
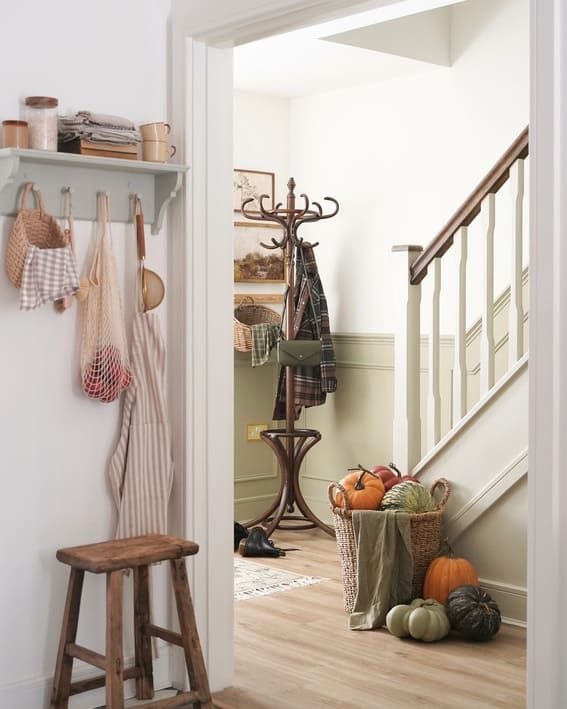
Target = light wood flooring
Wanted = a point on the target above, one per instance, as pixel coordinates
(294, 650)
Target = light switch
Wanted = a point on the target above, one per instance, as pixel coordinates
(253, 431)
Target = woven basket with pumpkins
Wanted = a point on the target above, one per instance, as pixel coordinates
(384, 488)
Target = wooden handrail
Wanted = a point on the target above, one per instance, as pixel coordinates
(470, 207)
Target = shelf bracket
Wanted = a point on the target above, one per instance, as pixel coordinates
(167, 186)
(9, 167)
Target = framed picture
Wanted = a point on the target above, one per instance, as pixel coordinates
(252, 262)
(268, 298)
(253, 183)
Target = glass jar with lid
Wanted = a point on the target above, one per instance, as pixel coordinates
(41, 115)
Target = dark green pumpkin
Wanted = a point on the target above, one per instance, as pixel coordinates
(473, 613)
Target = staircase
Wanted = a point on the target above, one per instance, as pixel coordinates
(465, 417)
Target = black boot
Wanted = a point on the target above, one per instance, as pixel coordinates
(258, 544)
(240, 533)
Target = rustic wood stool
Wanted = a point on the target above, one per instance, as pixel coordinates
(111, 558)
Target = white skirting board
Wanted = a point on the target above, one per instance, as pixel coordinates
(36, 693)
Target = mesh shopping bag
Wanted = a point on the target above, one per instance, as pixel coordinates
(105, 366)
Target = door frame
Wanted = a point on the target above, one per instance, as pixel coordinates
(200, 70)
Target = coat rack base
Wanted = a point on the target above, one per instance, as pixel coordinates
(290, 448)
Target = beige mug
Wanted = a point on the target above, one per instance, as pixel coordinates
(157, 150)
(155, 131)
(15, 134)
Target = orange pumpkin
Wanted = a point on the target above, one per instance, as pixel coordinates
(363, 490)
(446, 573)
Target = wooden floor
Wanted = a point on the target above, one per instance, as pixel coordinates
(293, 650)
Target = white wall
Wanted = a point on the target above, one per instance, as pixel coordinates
(261, 142)
(401, 155)
(55, 443)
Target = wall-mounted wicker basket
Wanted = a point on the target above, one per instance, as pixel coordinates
(246, 314)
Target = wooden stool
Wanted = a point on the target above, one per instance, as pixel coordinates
(111, 558)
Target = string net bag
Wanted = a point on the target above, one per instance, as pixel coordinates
(105, 364)
(32, 227)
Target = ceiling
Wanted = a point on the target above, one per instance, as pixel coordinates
(406, 38)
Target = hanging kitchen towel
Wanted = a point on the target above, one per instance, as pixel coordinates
(48, 274)
(105, 366)
(141, 469)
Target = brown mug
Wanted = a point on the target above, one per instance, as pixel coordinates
(157, 150)
(155, 131)
(15, 134)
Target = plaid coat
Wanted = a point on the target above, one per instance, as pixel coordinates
(312, 384)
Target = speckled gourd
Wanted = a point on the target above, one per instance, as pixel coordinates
(409, 497)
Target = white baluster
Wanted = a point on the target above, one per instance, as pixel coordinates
(434, 396)
(460, 366)
(487, 336)
(407, 419)
(516, 313)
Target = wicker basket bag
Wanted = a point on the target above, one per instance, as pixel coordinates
(425, 541)
(249, 313)
(33, 227)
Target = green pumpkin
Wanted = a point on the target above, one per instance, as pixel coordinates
(473, 613)
(409, 497)
(421, 619)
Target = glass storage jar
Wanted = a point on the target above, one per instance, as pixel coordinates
(41, 115)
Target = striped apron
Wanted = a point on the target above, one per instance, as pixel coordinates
(141, 469)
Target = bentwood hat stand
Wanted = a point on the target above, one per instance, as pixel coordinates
(291, 444)
(112, 558)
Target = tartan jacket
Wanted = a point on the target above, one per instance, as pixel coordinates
(312, 384)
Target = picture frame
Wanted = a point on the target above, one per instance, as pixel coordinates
(252, 262)
(261, 298)
(252, 183)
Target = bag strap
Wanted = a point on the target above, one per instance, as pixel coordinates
(103, 220)
(309, 296)
(32, 186)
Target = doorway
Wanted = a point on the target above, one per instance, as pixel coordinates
(546, 686)
(310, 132)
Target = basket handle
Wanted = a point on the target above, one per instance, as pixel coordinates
(444, 483)
(32, 186)
(243, 301)
(330, 491)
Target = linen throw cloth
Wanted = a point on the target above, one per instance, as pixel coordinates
(141, 469)
(385, 565)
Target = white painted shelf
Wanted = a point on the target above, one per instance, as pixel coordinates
(86, 175)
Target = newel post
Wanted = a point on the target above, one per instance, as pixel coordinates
(407, 419)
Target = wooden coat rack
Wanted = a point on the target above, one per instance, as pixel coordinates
(291, 444)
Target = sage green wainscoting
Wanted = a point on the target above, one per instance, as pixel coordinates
(256, 476)
(355, 423)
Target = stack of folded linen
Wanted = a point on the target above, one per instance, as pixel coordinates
(90, 133)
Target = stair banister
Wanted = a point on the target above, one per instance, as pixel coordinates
(471, 206)
(411, 264)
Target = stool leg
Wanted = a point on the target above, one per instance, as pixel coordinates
(143, 641)
(114, 658)
(64, 665)
(198, 678)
